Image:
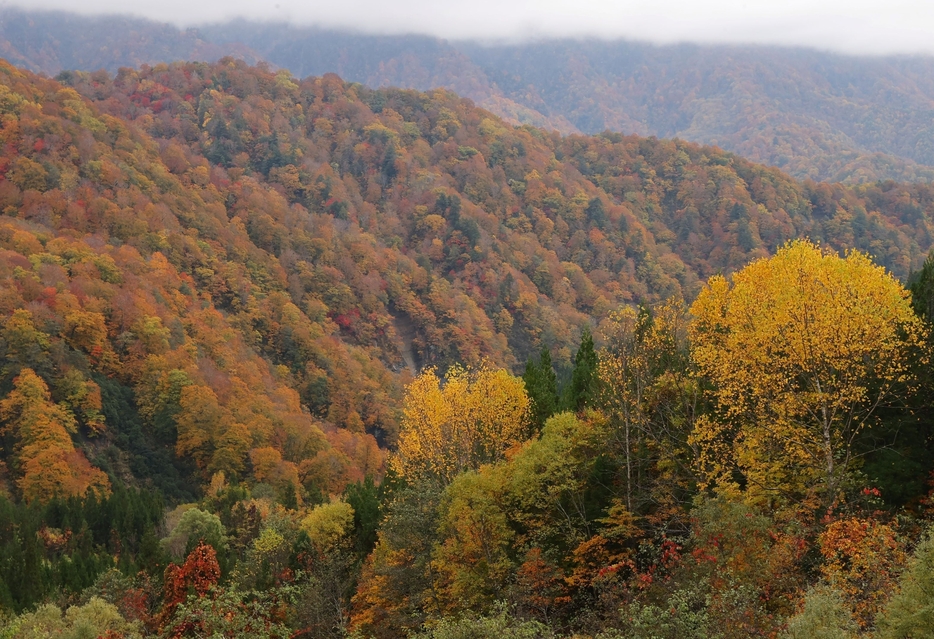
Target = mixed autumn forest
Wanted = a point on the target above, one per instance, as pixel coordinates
(287, 357)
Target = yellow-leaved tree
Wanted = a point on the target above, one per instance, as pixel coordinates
(470, 419)
(802, 349)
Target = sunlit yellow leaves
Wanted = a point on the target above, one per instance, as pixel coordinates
(329, 524)
(470, 419)
(801, 348)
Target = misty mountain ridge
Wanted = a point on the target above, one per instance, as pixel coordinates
(816, 115)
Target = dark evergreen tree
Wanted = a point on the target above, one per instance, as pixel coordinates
(899, 455)
(541, 384)
(363, 497)
(921, 284)
(581, 392)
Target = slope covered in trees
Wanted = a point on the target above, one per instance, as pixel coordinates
(194, 220)
(718, 478)
(216, 283)
(105, 299)
(814, 114)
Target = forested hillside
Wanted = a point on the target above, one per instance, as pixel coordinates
(813, 114)
(293, 312)
(397, 214)
(349, 236)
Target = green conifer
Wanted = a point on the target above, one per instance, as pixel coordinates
(541, 384)
(921, 285)
(581, 392)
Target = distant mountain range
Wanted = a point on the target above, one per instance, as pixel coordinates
(815, 115)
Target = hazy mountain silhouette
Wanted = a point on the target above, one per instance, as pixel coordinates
(816, 115)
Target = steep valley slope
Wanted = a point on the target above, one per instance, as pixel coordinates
(244, 267)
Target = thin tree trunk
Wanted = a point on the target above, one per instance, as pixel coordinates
(828, 444)
(628, 471)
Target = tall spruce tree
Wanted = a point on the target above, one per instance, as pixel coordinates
(363, 497)
(913, 450)
(582, 390)
(921, 285)
(541, 384)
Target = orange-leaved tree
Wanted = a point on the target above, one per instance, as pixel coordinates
(197, 576)
(802, 349)
(862, 559)
(46, 460)
(470, 419)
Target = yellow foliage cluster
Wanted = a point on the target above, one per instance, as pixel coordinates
(329, 524)
(470, 419)
(802, 348)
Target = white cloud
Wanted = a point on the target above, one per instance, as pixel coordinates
(851, 26)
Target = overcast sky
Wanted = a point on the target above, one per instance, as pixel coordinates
(851, 26)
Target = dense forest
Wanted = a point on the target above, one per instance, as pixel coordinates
(297, 357)
(813, 114)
